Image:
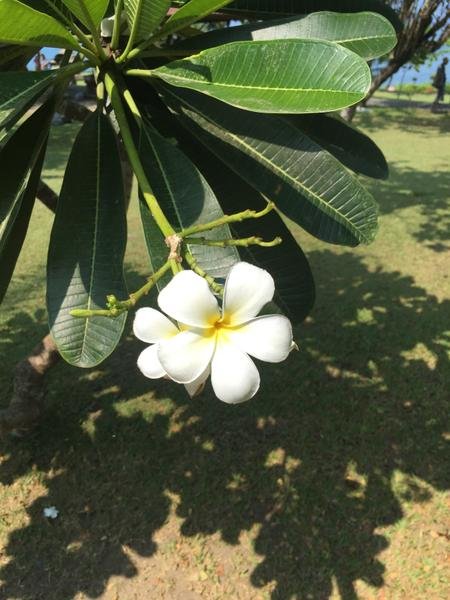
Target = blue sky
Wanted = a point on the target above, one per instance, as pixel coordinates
(425, 73)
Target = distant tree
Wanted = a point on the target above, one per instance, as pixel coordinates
(426, 28)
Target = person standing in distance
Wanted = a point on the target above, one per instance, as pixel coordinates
(439, 81)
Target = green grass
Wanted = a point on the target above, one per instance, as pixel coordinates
(411, 95)
(332, 483)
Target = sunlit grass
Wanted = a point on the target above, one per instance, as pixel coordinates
(333, 482)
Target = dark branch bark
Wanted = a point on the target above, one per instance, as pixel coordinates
(26, 404)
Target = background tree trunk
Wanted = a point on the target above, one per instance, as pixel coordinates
(426, 28)
(26, 403)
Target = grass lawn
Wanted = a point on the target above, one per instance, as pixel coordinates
(410, 95)
(332, 483)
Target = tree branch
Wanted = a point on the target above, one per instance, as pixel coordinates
(26, 404)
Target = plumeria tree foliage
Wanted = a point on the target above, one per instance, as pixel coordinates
(227, 132)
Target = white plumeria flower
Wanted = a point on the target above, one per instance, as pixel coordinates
(213, 341)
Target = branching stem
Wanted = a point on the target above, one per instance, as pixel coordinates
(117, 24)
(245, 242)
(133, 155)
(117, 307)
(192, 262)
(92, 28)
(236, 218)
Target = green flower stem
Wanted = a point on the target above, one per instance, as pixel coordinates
(135, 52)
(113, 88)
(84, 38)
(92, 28)
(139, 72)
(132, 106)
(123, 57)
(91, 49)
(127, 96)
(245, 242)
(192, 262)
(93, 59)
(133, 154)
(100, 91)
(117, 307)
(117, 24)
(81, 313)
(236, 218)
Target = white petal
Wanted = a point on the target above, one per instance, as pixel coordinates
(150, 326)
(268, 337)
(188, 299)
(148, 363)
(196, 387)
(187, 355)
(234, 376)
(106, 27)
(247, 290)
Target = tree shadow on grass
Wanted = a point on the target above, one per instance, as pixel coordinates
(310, 461)
(428, 191)
(406, 119)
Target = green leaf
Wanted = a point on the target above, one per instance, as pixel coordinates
(144, 16)
(186, 199)
(87, 246)
(307, 184)
(270, 8)
(192, 11)
(283, 76)
(19, 90)
(49, 7)
(20, 167)
(294, 283)
(88, 10)
(14, 58)
(367, 34)
(349, 145)
(20, 24)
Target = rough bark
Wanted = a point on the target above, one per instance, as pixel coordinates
(26, 404)
(348, 113)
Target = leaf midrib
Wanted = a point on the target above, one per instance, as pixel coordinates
(260, 87)
(94, 249)
(287, 175)
(24, 92)
(163, 171)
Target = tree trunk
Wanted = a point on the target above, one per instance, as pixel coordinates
(391, 68)
(348, 113)
(26, 404)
